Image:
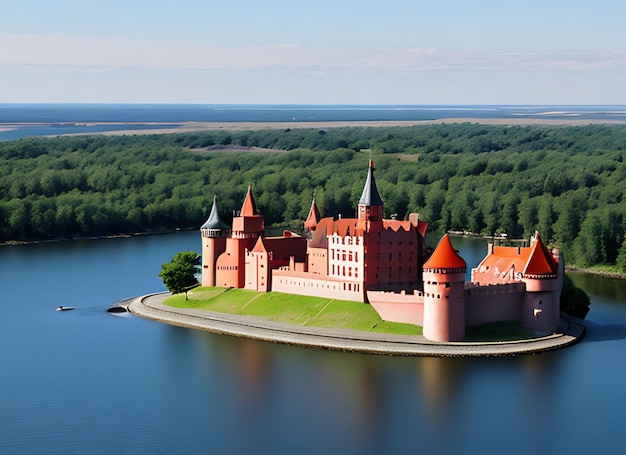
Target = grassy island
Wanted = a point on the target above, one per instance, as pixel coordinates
(322, 312)
(291, 309)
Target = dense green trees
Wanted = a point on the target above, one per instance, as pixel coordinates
(566, 182)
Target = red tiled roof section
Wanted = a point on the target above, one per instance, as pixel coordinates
(249, 206)
(445, 257)
(541, 261)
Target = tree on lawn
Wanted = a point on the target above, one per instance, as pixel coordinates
(178, 275)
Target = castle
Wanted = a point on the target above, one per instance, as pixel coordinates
(383, 262)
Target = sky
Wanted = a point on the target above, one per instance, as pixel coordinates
(313, 52)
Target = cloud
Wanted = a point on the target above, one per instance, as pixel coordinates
(109, 53)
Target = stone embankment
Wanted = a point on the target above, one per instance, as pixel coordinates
(152, 307)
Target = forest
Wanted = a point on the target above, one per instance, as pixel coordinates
(566, 182)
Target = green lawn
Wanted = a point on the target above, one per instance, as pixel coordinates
(292, 309)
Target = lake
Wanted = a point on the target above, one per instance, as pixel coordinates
(86, 381)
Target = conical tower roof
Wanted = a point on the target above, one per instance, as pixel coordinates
(249, 206)
(313, 218)
(445, 257)
(541, 261)
(370, 196)
(214, 221)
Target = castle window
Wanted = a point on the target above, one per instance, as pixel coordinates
(389, 257)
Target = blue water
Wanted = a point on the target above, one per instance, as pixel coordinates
(172, 113)
(86, 381)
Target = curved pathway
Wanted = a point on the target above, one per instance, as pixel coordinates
(151, 306)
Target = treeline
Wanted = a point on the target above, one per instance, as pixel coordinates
(566, 182)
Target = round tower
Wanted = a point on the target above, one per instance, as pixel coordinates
(214, 233)
(444, 300)
(543, 275)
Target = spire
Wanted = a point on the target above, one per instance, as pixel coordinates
(249, 206)
(445, 257)
(214, 221)
(370, 196)
(314, 216)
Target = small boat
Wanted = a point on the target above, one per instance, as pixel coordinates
(64, 308)
(117, 309)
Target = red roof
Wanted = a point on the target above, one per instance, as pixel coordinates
(533, 261)
(249, 206)
(313, 218)
(445, 257)
(541, 261)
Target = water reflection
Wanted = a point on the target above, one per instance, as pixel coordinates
(609, 288)
(440, 382)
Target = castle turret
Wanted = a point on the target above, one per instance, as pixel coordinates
(248, 226)
(444, 301)
(370, 204)
(543, 275)
(310, 224)
(370, 223)
(214, 233)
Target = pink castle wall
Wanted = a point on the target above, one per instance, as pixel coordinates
(307, 284)
(317, 261)
(487, 304)
(345, 257)
(398, 306)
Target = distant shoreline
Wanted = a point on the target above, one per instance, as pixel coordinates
(192, 127)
